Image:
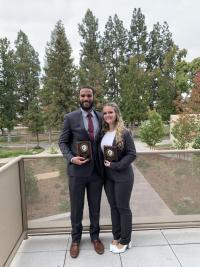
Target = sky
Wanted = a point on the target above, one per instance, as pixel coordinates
(37, 18)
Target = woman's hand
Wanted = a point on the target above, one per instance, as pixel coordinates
(107, 163)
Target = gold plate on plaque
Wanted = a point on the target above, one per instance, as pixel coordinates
(110, 153)
(84, 149)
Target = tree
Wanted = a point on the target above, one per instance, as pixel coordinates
(58, 93)
(184, 130)
(91, 70)
(152, 131)
(27, 73)
(193, 105)
(8, 98)
(167, 86)
(34, 119)
(183, 74)
(113, 50)
(196, 144)
(135, 96)
(159, 43)
(137, 37)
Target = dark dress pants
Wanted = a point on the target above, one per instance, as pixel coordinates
(118, 194)
(77, 187)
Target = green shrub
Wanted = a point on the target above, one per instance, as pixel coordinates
(184, 131)
(196, 144)
(53, 149)
(152, 130)
(7, 152)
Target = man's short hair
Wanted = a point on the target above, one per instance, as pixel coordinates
(87, 87)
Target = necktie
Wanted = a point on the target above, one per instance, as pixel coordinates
(90, 126)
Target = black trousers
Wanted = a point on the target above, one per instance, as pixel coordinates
(77, 188)
(118, 194)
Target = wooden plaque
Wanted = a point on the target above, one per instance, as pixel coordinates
(110, 153)
(84, 149)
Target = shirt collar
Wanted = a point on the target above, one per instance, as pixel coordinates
(85, 112)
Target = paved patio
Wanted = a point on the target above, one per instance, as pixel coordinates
(150, 248)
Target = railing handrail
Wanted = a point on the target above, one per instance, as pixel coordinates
(10, 163)
(170, 151)
(192, 221)
(59, 155)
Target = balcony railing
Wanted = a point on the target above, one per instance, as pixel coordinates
(34, 196)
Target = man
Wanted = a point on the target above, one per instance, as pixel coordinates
(83, 124)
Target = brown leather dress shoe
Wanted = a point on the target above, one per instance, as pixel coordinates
(74, 250)
(98, 246)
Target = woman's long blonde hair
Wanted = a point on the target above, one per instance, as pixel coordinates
(119, 124)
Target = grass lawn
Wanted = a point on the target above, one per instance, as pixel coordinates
(14, 152)
(164, 147)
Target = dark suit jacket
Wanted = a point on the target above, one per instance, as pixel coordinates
(122, 170)
(73, 131)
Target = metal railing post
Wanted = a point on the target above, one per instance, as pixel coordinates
(23, 196)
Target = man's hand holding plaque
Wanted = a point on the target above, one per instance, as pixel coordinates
(110, 153)
(84, 149)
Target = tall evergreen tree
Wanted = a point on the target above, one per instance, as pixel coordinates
(8, 97)
(113, 46)
(183, 74)
(59, 83)
(135, 92)
(34, 119)
(168, 83)
(91, 70)
(137, 37)
(27, 72)
(159, 43)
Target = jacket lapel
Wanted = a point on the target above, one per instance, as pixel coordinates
(114, 142)
(100, 125)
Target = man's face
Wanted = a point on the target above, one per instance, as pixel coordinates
(86, 98)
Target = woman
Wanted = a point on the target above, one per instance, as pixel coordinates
(119, 176)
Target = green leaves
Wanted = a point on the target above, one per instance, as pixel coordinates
(152, 130)
(135, 95)
(91, 69)
(8, 99)
(184, 130)
(27, 67)
(113, 49)
(58, 94)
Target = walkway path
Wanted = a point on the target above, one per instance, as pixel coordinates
(145, 202)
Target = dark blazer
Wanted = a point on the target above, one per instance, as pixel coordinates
(73, 131)
(122, 170)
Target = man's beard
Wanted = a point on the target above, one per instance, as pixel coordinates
(86, 108)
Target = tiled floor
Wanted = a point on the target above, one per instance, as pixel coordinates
(152, 248)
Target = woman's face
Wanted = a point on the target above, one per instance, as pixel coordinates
(109, 115)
